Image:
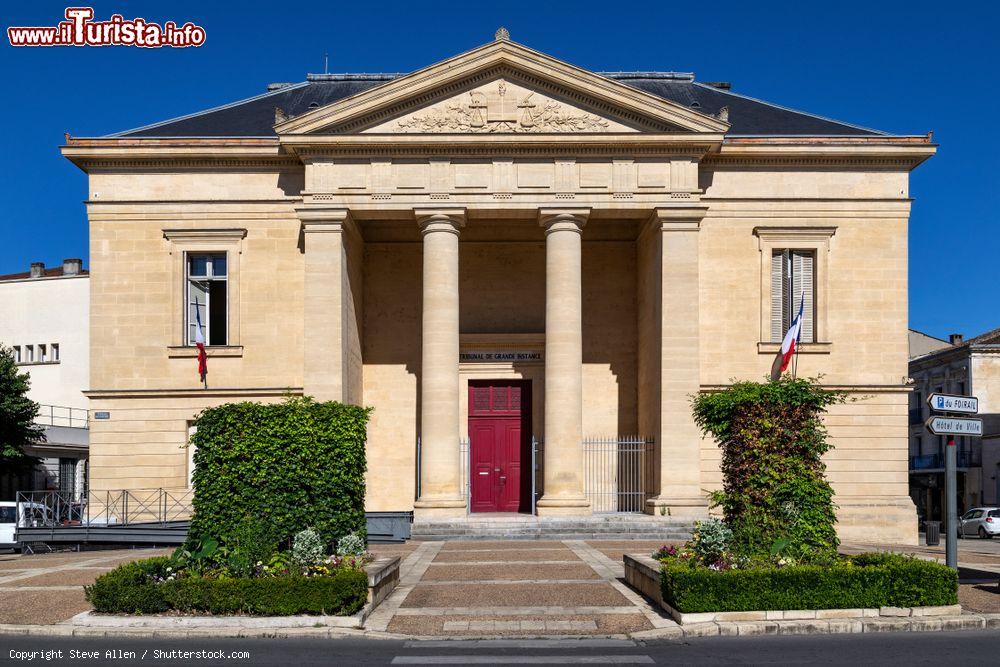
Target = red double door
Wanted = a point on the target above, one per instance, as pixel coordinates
(500, 445)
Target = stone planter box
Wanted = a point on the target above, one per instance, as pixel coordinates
(383, 577)
(643, 574)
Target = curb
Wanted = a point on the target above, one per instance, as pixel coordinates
(712, 629)
(826, 627)
(63, 630)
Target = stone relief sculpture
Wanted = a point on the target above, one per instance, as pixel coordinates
(494, 112)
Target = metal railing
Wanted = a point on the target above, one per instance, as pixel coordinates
(61, 415)
(963, 459)
(616, 473)
(47, 509)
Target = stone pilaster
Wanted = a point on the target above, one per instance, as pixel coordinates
(440, 473)
(327, 293)
(563, 490)
(673, 266)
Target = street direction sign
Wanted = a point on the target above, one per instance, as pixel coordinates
(968, 405)
(955, 426)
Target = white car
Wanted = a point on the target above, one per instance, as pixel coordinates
(981, 521)
(20, 515)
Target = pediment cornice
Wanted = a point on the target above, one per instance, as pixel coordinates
(498, 61)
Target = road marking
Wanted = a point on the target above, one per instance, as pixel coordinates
(522, 660)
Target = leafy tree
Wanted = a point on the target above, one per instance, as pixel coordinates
(17, 416)
(775, 495)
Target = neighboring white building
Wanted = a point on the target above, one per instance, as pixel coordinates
(45, 318)
(956, 366)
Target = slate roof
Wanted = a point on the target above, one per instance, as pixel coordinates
(254, 117)
(56, 272)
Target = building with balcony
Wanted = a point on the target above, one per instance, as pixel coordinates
(963, 367)
(45, 320)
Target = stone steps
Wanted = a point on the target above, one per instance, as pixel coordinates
(531, 528)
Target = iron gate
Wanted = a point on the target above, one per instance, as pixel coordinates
(616, 473)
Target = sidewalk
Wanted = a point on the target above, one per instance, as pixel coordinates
(510, 588)
(48, 588)
(476, 589)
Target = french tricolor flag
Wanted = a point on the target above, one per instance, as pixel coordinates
(789, 344)
(199, 341)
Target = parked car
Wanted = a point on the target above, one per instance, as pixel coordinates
(15, 515)
(981, 521)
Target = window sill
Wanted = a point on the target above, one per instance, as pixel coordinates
(35, 363)
(804, 348)
(212, 351)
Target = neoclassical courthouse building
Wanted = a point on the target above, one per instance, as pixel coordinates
(506, 250)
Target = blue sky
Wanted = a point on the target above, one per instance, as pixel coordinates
(906, 67)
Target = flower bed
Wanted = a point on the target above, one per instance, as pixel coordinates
(214, 579)
(152, 586)
(863, 581)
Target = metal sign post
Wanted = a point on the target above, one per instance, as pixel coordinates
(952, 426)
(950, 491)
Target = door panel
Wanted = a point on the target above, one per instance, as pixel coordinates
(499, 438)
(482, 433)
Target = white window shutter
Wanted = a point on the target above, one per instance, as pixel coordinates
(777, 294)
(803, 279)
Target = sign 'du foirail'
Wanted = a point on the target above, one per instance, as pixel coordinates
(950, 403)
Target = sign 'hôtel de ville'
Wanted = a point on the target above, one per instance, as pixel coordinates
(505, 249)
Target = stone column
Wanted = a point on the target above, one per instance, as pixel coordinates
(441, 494)
(678, 438)
(563, 491)
(324, 334)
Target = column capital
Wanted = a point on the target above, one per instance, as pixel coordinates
(323, 219)
(686, 218)
(440, 219)
(563, 219)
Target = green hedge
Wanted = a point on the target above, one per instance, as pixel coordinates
(291, 465)
(130, 589)
(865, 581)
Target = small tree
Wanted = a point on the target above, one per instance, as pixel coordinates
(775, 495)
(17, 416)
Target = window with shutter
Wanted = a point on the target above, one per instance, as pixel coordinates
(793, 282)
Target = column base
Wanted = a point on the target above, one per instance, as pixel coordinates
(685, 507)
(439, 508)
(563, 506)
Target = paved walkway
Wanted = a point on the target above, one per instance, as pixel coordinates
(516, 588)
(48, 588)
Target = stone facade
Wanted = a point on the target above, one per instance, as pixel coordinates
(613, 244)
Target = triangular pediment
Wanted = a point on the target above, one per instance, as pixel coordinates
(506, 104)
(501, 88)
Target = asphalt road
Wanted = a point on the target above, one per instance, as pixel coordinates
(936, 648)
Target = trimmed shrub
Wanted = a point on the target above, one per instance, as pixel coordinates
(775, 495)
(133, 588)
(290, 465)
(865, 581)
